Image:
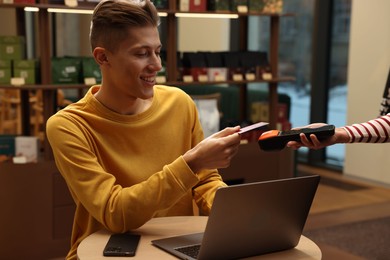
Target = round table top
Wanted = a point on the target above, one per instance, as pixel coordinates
(92, 246)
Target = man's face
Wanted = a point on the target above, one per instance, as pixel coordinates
(133, 67)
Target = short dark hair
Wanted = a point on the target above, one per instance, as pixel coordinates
(111, 20)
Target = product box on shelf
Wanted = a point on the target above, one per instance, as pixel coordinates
(239, 6)
(260, 112)
(219, 5)
(27, 148)
(216, 70)
(161, 4)
(24, 1)
(66, 70)
(27, 69)
(255, 65)
(184, 5)
(256, 5)
(273, 6)
(5, 71)
(194, 66)
(12, 47)
(7, 145)
(233, 64)
(90, 69)
(198, 5)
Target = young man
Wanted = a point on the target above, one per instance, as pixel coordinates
(373, 131)
(130, 150)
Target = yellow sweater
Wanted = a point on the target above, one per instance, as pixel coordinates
(123, 170)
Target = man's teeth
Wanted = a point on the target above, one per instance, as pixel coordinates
(150, 79)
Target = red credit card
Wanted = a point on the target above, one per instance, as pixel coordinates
(252, 127)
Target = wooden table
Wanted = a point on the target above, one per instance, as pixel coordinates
(91, 248)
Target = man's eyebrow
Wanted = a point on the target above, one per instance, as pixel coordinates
(148, 46)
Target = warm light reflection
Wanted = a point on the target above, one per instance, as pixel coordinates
(72, 11)
(207, 15)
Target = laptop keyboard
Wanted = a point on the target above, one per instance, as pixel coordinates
(192, 250)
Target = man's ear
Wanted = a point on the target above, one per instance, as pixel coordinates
(100, 55)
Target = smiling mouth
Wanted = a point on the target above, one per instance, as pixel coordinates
(149, 79)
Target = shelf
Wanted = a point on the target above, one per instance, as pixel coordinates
(168, 83)
(45, 86)
(49, 90)
(90, 6)
(228, 82)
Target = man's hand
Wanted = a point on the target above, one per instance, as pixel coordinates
(216, 151)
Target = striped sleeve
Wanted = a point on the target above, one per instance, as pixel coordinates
(373, 131)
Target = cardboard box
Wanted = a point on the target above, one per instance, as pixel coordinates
(12, 47)
(66, 70)
(27, 147)
(27, 69)
(5, 71)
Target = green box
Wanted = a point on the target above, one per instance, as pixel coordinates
(12, 47)
(7, 145)
(5, 71)
(236, 3)
(256, 5)
(222, 5)
(66, 70)
(90, 69)
(27, 69)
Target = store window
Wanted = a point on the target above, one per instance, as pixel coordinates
(295, 59)
(337, 102)
(295, 43)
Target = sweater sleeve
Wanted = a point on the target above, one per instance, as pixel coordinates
(117, 208)
(373, 131)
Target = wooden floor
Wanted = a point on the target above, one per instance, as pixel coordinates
(342, 200)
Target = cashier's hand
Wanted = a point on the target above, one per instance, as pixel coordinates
(216, 151)
(340, 136)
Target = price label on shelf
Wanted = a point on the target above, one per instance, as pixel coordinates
(89, 81)
(203, 78)
(250, 76)
(188, 78)
(237, 77)
(161, 79)
(71, 3)
(17, 81)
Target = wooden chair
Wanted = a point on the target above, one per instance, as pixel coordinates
(209, 112)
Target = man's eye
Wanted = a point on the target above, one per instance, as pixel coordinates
(142, 54)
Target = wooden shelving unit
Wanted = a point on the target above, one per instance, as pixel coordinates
(49, 91)
(52, 180)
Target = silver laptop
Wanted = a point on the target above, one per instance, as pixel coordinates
(249, 219)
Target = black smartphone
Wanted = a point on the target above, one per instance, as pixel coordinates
(124, 244)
